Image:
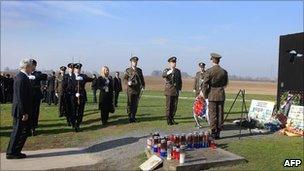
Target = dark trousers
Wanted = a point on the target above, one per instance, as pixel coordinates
(216, 115)
(51, 97)
(116, 94)
(61, 107)
(104, 113)
(94, 95)
(18, 136)
(132, 105)
(45, 96)
(35, 115)
(70, 108)
(171, 107)
(79, 110)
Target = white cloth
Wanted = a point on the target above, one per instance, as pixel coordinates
(77, 94)
(31, 77)
(106, 87)
(170, 71)
(79, 78)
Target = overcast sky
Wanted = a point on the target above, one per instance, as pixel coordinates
(246, 34)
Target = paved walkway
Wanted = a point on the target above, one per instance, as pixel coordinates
(49, 159)
(116, 153)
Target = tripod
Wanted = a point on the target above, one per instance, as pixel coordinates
(244, 111)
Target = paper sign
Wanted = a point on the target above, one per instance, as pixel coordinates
(261, 111)
(296, 117)
(151, 163)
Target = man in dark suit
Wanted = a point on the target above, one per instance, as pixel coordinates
(117, 87)
(51, 89)
(35, 78)
(135, 83)
(21, 111)
(213, 89)
(94, 88)
(173, 86)
(68, 90)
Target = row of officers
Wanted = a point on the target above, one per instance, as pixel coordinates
(72, 96)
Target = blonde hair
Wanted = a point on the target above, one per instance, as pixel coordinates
(24, 63)
(102, 71)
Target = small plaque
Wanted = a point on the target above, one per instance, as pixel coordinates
(151, 163)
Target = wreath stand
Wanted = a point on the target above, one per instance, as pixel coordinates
(244, 111)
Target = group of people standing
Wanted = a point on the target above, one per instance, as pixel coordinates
(70, 90)
(6, 88)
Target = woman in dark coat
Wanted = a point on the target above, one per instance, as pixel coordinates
(105, 85)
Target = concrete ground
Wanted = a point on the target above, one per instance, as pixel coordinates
(113, 153)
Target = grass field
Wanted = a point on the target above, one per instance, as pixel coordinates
(263, 153)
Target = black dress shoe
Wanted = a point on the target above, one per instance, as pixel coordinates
(33, 132)
(169, 122)
(217, 136)
(175, 123)
(22, 155)
(76, 129)
(13, 156)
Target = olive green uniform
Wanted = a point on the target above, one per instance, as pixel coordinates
(215, 80)
(173, 85)
(198, 81)
(58, 90)
(136, 78)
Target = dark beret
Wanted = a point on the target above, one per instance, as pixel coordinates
(63, 68)
(172, 59)
(70, 65)
(134, 58)
(78, 65)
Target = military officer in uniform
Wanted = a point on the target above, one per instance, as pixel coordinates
(135, 83)
(35, 78)
(198, 79)
(21, 111)
(213, 89)
(80, 95)
(173, 86)
(58, 91)
(68, 91)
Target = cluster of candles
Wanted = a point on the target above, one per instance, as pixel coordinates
(174, 146)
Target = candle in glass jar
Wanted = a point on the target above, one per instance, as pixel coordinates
(177, 153)
(182, 157)
(169, 154)
(173, 153)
